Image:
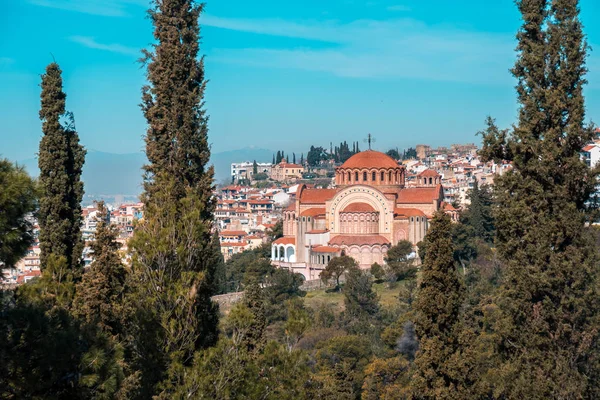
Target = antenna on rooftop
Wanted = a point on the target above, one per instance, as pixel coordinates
(370, 139)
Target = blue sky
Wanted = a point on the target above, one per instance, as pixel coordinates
(283, 74)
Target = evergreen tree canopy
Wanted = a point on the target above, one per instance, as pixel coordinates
(18, 199)
(478, 214)
(437, 309)
(100, 294)
(549, 297)
(393, 153)
(60, 160)
(174, 259)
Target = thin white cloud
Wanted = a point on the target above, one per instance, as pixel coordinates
(399, 8)
(402, 48)
(91, 43)
(106, 8)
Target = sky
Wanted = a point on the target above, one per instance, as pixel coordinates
(282, 74)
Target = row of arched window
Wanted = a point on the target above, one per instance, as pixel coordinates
(373, 177)
(359, 223)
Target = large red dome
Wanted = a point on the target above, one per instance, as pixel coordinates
(370, 159)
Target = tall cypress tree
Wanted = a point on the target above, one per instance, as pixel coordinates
(437, 313)
(549, 297)
(173, 263)
(60, 160)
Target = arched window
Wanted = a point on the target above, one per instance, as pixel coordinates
(382, 176)
(373, 176)
(390, 176)
(365, 176)
(349, 177)
(356, 177)
(430, 181)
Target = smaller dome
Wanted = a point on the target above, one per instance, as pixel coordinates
(358, 207)
(429, 173)
(370, 159)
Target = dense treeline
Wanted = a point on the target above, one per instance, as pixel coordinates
(503, 306)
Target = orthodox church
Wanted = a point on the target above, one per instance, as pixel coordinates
(368, 211)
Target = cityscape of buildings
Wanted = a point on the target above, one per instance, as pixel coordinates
(360, 207)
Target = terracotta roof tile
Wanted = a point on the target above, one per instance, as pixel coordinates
(429, 173)
(316, 196)
(326, 249)
(358, 207)
(233, 233)
(419, 195)
(360, 240)
(370, 159)
(408, 212)
(317, 231)
(285, 240)
(312, 212)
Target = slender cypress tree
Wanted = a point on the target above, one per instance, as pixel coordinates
(549, 298)
(437, 313)
(60, 160)
(173, 263)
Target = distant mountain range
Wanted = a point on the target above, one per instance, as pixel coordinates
(112, 174)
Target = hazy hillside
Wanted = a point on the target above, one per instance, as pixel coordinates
(112, 174)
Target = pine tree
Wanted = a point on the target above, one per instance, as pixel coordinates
(302, 159)
(273, 162)
(254, 168)
(437, 313)
(18, 199)
(549, 297)
(293, 158)
(173, 263)
(61, 160)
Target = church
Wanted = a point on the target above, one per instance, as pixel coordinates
(369, 210)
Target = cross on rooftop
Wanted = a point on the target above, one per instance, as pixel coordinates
(370, 139)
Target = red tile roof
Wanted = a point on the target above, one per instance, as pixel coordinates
(233, 233)
(326, 249)
(312, 212)
(317, 231)
(316, 196)
(358, 207)
(589, 147)
(285, 240)
(360, 240)
(260, 202)
(234, 244)
(447, 206)
(429, 173)
(370, 159)
(419, 195)
(287, 165)
(408, 212)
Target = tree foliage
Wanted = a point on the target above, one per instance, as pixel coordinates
(436, 315)
(174, 260)
(60, 160)
(336, 268)
(18, 200)
(549, 294)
